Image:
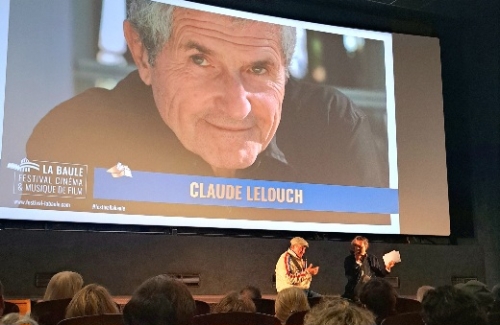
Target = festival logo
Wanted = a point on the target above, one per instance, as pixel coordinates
(50, 179)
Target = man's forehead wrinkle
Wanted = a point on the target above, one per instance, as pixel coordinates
(225, 25)
(224, 35)
(187, 41)
(219, 19)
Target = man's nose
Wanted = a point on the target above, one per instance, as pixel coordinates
(234, 100)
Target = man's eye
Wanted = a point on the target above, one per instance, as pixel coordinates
(258, 70)
(199, 60)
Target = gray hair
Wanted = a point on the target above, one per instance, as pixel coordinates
(17, 319)
(337, 310)
(153, 21)
(289, 301)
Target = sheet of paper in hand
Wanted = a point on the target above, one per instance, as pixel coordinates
(392, 256)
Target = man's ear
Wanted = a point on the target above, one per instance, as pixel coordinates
(138, 51)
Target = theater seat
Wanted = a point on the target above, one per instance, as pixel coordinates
(10, 307)
(235, 318)
(202, 307)
(264, 306)
(407, 305)
(296, 318)
(49, 312)
(105, 319)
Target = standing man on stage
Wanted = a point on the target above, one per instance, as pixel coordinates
(292, 269)
(360, 266)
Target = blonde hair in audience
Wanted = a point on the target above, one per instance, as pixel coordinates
(234, 302)
(338, 311)
(17, 319)
(63, 285)
(289, 301)
(93, 299)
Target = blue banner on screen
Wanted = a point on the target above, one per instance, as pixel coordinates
(216, 191)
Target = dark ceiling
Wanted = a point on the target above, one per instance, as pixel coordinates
(454, 9)
(420, 17)
(446, 8)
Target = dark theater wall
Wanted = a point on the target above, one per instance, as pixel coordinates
(121, 261)
(471, 95)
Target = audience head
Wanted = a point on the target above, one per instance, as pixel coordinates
(289, 301)
(479, 291)
(63, 285)
(251, 292)
(380, 297)
(17, 319)
(338, 311)
(234, 302)
(160, 300)
(448, 305)
(93, 299)
(421, 292)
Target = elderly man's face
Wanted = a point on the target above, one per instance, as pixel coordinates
(219, 85)
(299, 250)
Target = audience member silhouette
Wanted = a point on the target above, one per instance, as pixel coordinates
(63, 285)
(479, 291)
(289, 301)
(251, 292)
(160, 300)
(163, 300)
(338, 311)
(380, 297)
(93, 299)
(233, 302)
(448, 305)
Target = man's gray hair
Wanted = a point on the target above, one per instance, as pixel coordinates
(153, 21)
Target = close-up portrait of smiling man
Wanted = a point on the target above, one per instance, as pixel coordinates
(218, 82)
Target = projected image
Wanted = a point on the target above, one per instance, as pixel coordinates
(225, 116)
